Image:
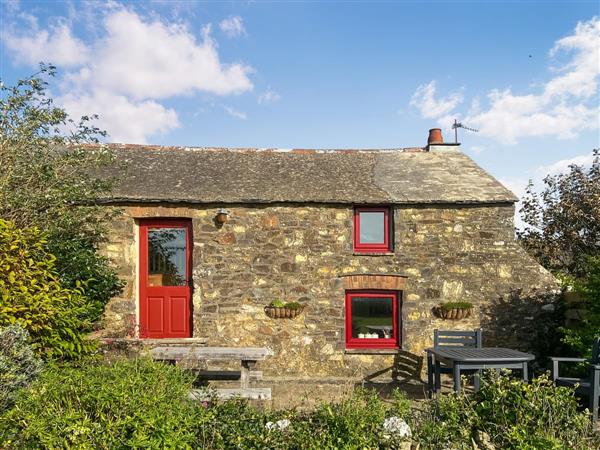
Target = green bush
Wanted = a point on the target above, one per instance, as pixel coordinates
(77, 262)
(18, 364)
(517, 414)
(514, 414)
(581, 338)
(356, 422)
(124, 404)
(140, 403)
(32, 296)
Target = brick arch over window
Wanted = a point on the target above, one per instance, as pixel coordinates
(374, 281)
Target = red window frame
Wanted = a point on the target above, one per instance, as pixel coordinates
(394, 341)
(372, 248)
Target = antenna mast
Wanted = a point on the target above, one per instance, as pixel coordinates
(456, 125)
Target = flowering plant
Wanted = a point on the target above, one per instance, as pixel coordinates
(281, 425)
(396, 428)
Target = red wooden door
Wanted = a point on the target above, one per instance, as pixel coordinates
(165, 278)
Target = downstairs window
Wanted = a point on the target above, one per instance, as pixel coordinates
(372, 319)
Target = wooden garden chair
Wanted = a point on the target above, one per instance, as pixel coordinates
(451, 339)
(588, 386)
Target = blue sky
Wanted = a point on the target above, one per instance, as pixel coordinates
(326, 74)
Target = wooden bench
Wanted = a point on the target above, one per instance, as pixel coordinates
(248, 356)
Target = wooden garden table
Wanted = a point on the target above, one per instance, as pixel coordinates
(248, 356)
(468, 358)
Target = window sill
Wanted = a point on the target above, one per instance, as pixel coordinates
(371, 351)
(373, 253)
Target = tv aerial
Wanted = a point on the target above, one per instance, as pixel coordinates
(456, 125)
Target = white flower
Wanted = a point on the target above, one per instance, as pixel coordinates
(283, 424)
(396, 426)
(280, 424)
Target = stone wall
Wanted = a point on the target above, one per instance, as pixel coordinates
(302, 252)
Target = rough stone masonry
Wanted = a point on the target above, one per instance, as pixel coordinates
(290, 236)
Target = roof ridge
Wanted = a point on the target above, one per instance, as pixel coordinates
(260, 149)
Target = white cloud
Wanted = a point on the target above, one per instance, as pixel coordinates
(566, 104)
(137, 61)
(56, 45)
(476, 150)
(126, 120)
(425, 100)
(268, 97)
(562, 166)
(235, 113)
(233, 26)
(152, 59)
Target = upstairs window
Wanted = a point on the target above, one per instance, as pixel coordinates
(372, 230)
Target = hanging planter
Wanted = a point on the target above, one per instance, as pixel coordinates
(279, 310)
(455, 310)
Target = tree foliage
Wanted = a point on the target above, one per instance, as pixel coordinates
(33, 297)
(50, 179)
(580, 338)
(563, 221)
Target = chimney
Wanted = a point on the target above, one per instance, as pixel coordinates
(435, 136)
(435, 142)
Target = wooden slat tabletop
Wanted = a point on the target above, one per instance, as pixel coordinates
(486, 354)
(239, 353)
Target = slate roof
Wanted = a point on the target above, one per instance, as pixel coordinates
(217, 175)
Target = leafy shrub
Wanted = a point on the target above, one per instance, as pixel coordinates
(32, 296)
(144, 404)
(124, 404)
(356, 422)
(581, 338)
(77, 262)
(514, 414)
(18, 364)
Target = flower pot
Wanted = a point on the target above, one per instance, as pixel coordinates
(455, 313)
(275, 312)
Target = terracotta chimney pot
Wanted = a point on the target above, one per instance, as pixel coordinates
(435, 136)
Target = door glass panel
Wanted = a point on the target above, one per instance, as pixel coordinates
(166, 257)
(372, 227)
(372, 317)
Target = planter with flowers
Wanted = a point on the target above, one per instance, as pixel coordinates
(280, 310)
(455, 310)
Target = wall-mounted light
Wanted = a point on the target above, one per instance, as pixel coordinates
(222, 215)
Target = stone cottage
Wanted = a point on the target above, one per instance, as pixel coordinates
(369, 241)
